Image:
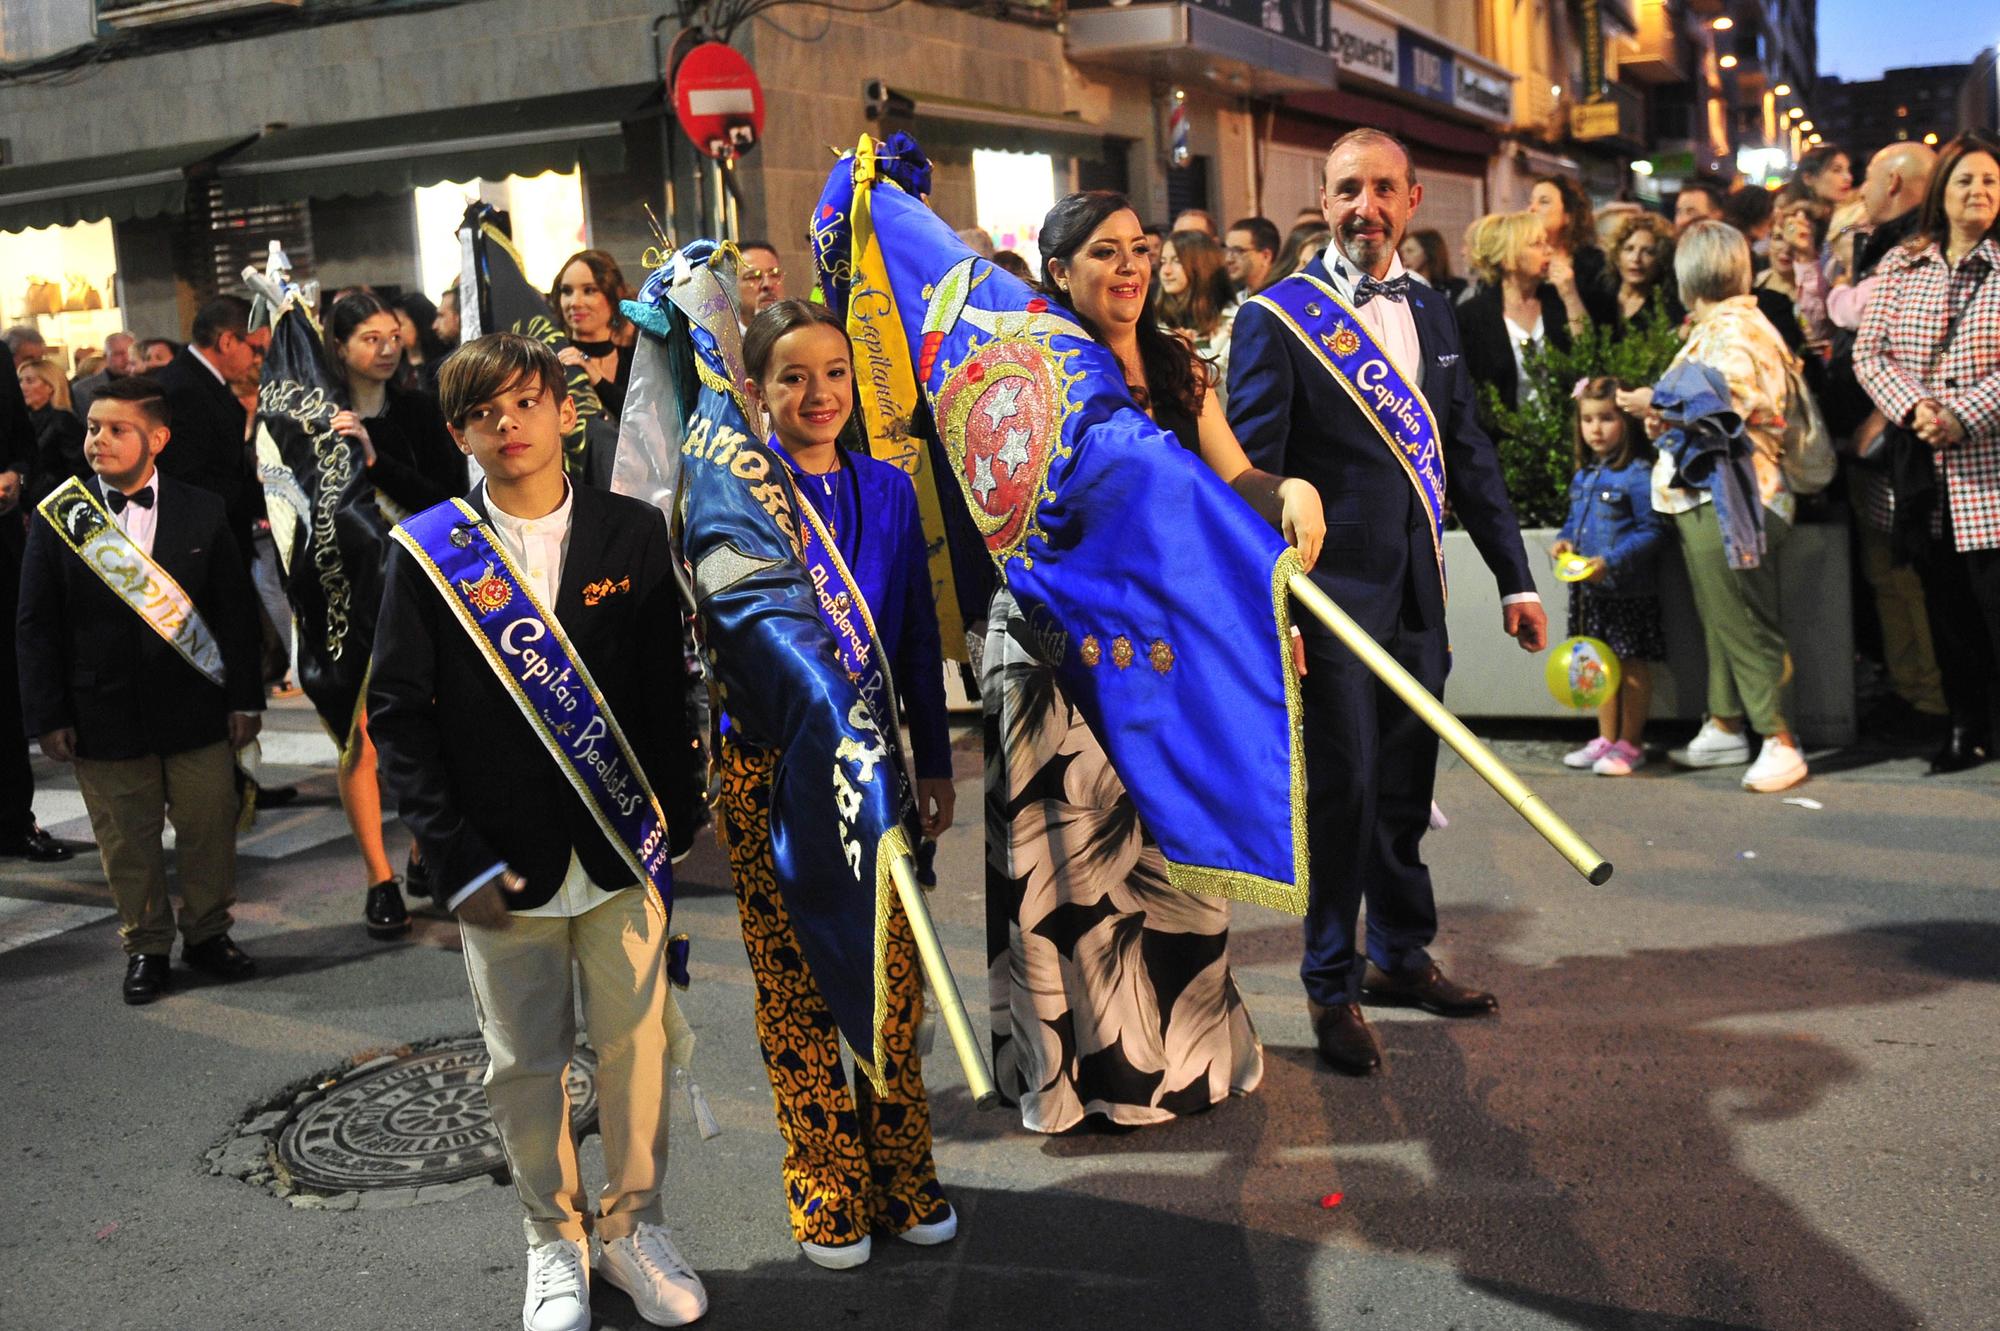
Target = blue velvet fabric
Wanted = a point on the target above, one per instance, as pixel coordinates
(1148, 583)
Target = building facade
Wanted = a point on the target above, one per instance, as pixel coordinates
(153, 146)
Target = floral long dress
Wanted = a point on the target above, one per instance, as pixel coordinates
(1111, 991)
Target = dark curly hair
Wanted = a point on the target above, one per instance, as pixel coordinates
(1167, 362)
(1579, 220)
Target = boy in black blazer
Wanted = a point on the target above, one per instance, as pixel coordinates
(541, 890)
(150, 690)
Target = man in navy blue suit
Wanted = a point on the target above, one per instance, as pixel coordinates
(1349, 376)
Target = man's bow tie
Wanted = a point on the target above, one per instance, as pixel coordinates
(118, 499)
(1367, 288)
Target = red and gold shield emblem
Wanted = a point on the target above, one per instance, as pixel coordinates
(1001, 414)
(487, 594)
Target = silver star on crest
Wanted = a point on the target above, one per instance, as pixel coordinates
(1014, 453)
(1002, 402)
(983, 483)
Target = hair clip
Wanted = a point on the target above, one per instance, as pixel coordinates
(1581, 384)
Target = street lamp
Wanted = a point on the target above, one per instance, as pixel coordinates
(1723, 24)
(1727, 62)
(1805, 126)
(1782, 90)
(1797, 113)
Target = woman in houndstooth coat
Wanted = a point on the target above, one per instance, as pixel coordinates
(1929, 355)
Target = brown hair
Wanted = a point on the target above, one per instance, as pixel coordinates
(483, 369)
(1579, 221)
(1437, 258)
(143, 393)
(775, 320)
(609, 277)
(1932, 224)
(1636, 446)
(1200, 306)
(1662, 232)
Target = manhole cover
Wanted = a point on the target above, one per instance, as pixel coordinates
(410, 1121)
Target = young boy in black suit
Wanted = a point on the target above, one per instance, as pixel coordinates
(542, 884)
(138, 651)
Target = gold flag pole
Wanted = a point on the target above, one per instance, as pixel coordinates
(1452, 731)
(978, 1079)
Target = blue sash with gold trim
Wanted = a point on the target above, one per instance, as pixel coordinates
(1335, 335)
(533, 659)
(844, 610)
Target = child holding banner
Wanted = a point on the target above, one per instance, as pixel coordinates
(526, 681)
(139, 663)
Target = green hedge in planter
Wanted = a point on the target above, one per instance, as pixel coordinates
(1537, 439)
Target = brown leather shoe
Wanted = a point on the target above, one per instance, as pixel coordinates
(1344, 1040)
(1427, 989)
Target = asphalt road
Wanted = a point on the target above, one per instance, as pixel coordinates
(1746, 1084)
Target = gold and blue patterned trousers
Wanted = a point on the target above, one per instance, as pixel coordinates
(855, 1160)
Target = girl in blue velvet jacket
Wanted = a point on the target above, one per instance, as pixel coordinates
(1614, 532)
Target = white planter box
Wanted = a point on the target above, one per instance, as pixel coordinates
(1492, 678)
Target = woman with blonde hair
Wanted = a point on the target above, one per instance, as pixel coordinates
(1515, 308)
(58, 433)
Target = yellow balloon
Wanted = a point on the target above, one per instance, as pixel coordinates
(1583, 673)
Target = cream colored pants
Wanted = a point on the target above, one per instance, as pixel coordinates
(523, 977)
(130, 801)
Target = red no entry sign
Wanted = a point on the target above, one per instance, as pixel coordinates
(718, 100)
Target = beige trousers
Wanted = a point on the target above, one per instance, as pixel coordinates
(523, 977)
(130, 801)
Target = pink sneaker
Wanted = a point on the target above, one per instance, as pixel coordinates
(1582, 758)
(1620, 759)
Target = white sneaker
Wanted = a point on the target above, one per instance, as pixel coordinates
(1621, 759)
(933, 1232)
(1713, 747)
(841, 1257)
(1779, 766)
(1582, 758)
(558, 1288)
(647, 1266)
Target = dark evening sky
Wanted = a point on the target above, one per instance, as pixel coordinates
(1858, 39)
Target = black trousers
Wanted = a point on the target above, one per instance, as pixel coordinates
(1371, 765)
(1962, 597)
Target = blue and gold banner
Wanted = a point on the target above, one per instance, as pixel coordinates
(1335, 335)
(787, 634)
(1157, 595)
(548, 681)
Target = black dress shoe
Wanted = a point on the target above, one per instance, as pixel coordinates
(1344, 1039)
(276, 797)
(145, 977)
(417, 876)
(1963, 748)
(1427, 989)
(385, 914)
(220, 957)
(35, 844)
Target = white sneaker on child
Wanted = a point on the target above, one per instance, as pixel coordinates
(1779, 766)
(1582, 758)
(558, 1288)
(1713, 747)
(647, 1266)
(1621, 759)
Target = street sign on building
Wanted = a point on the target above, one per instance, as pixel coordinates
(718, 100)
(1594, 120)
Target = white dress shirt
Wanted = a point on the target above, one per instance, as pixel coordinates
(538, 547)
(1394, 328)
(137, 522)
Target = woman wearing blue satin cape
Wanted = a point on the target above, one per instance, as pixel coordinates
(1111, 989)
(857, 1158)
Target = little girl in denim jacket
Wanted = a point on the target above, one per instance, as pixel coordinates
(1613, 526)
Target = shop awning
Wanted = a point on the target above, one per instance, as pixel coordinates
(944, 123)
(119, 187)
(396, 154)
(1193, 43)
